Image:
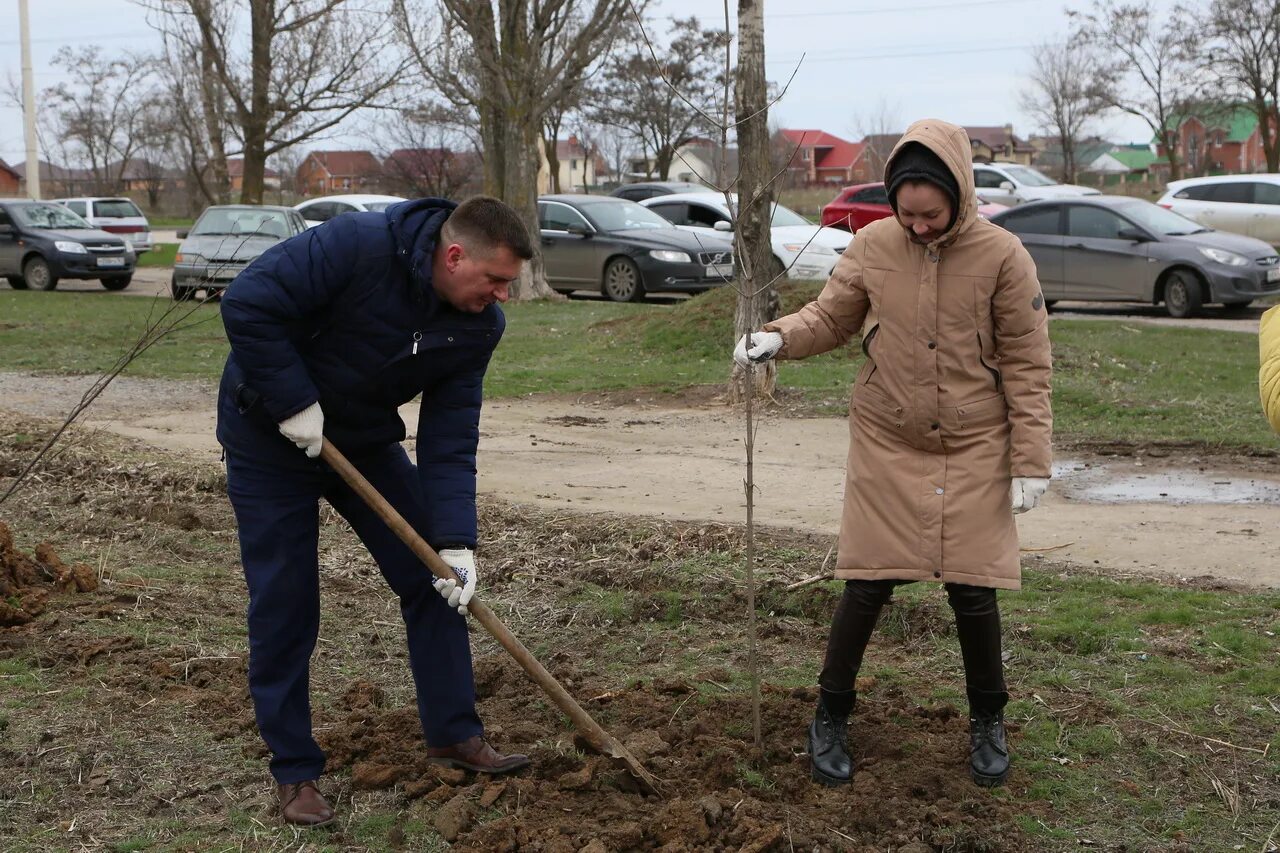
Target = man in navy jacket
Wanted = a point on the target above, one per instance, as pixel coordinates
(330, 332)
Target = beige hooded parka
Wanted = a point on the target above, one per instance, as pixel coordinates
(953, 399)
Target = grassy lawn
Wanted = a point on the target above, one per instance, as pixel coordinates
(170, 221)
(1114, 381)
(160, 256)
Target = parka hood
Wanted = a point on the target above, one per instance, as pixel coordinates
(951, 144)
(415, 227)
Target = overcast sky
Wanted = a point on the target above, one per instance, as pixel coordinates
(963, 61)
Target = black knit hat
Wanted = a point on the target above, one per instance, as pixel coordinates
(916, 162)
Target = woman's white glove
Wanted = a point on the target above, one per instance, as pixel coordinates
(463, 562)
(1025, 493)
(305, 429)
(763, 346)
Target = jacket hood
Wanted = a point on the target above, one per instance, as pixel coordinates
(415, 227)
(951, 144)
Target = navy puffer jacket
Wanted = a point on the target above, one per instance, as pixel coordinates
(345, 314)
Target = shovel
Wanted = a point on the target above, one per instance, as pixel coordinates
(597, 737)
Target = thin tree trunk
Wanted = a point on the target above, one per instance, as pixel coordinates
(255, 123)
(757, 301)
(217, 165)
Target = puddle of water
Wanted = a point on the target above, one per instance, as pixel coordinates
(1097, 484)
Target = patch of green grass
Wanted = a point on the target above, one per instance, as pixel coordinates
(161, 255)
(753, 778)
(170, 221)
(1113, 381)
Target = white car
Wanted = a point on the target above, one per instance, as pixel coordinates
(802, 249)
(119, 216)
(1241, 204)
(317, 210)
(1013, 184)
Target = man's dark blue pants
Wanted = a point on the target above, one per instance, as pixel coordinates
(277, 511)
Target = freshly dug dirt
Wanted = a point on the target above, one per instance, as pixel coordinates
(25, 582)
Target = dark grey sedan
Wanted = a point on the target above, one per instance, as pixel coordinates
(623, 250)
(1117, 249)
(224, 240)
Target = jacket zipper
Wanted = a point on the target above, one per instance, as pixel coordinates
(995, 374)
(417, 336)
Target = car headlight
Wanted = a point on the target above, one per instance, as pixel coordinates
(70, 248)
(670, 256)
(189, 258)
(1222, 256)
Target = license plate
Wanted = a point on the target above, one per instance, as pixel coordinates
(110, 262)
(1273, 274)
(720, 271)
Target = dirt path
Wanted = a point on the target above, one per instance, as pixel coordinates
(1180, 514)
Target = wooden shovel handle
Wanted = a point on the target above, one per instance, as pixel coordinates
(589, 728)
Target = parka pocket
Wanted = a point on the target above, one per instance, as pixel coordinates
(982, 357)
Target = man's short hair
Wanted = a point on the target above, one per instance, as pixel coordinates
(482, 223)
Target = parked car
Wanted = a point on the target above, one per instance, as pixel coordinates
(800, 249)
(41, 242)
(857, 206)
(317, 210)
(224, 240)
(1116, 249)
(115, 216)
(649, 189)
(594, 242)
(1013, 184)
(1241, 204)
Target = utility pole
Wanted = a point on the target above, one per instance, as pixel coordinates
(29, 102)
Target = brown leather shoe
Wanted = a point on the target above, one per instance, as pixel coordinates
(476, 754)
(302, 805)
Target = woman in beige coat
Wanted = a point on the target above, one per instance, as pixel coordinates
(949, 425)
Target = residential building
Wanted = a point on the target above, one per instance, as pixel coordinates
(823, 158)
(418, 172)
(1132, 161)
(577, 166)
(698, 161)
(1050, 159)
(1218, 138)
(10, 180)
(59, 181)
(328, 172)
(990, 144)
(235, 174)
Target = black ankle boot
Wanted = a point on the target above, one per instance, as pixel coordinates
(988, 748)
(828, 752)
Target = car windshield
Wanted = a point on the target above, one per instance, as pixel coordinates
(238, 222)
(1029, 176)
(618, 215)
(48, 216)
(786, 216)
(116, 208)
(1157, 220)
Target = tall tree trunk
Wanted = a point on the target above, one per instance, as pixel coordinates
(521, 136)
(254, 124)
(220, 193)
(1269, 132)
(757, 299)
(662, 164)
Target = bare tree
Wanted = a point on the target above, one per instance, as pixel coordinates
(1243, 50)
(1147, 67)
(432, 155)
(879, 127)
(310, 64)
(97, 115)
(662, 118)
(510, 61)
(1062, 96)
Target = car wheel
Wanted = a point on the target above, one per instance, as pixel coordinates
(180, 293)
(622, 281)
(116, 282)
(17, 282)
(1183, 294)
(38, 275)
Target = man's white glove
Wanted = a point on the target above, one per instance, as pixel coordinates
(305, 429)
(762, 347)
(463, 562)
(1025, 493)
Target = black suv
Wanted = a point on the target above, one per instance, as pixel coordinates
(41, 242)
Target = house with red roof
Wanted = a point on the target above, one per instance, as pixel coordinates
(10, 180)
(824, 158)
(326, 172)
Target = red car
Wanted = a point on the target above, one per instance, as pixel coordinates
(862, 204)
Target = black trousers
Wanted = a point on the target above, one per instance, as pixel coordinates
(977, 625)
